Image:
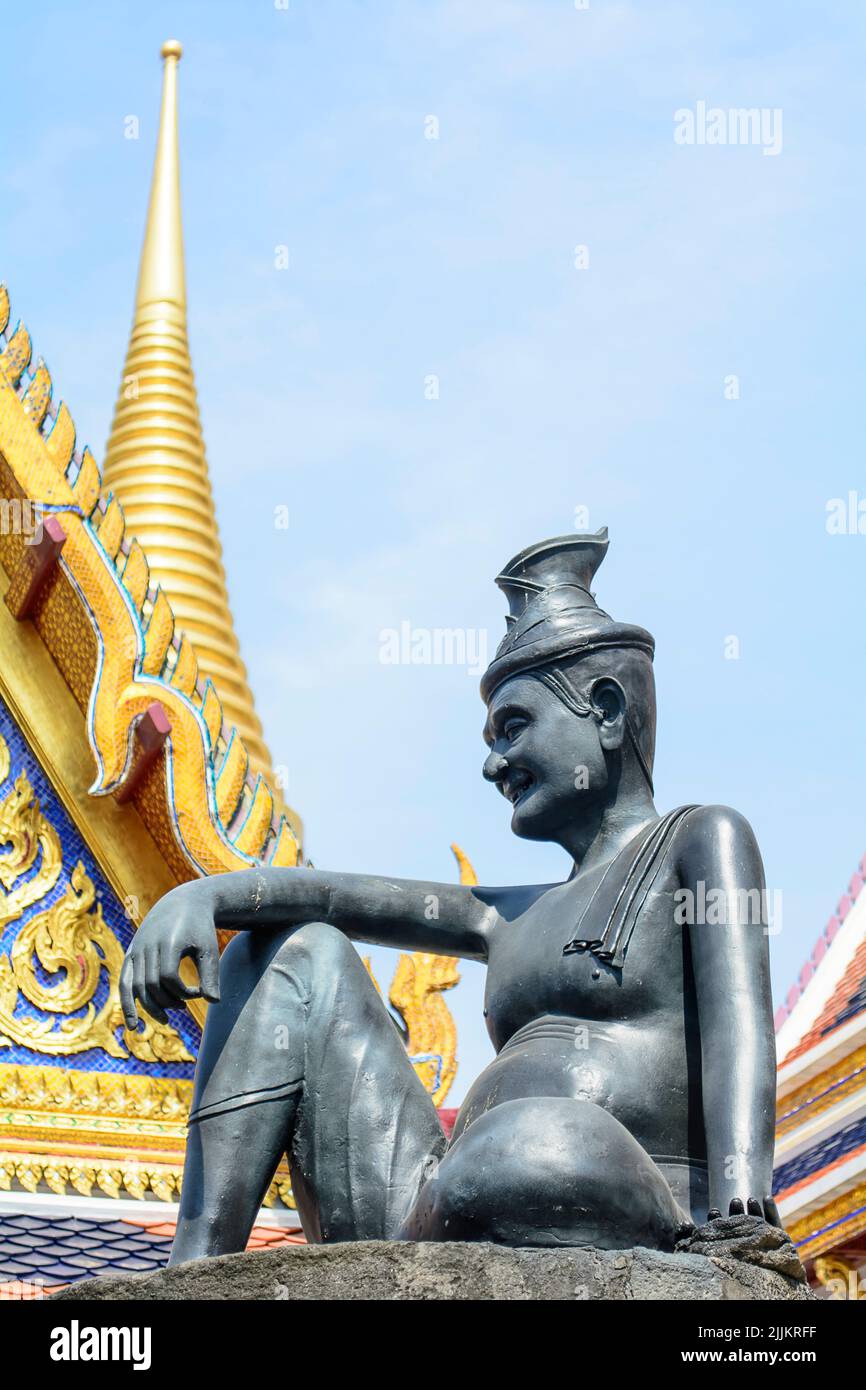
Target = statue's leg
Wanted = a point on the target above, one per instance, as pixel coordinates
(300, 1056)
(547, 1171)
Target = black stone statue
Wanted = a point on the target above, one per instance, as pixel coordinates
(632, 1092)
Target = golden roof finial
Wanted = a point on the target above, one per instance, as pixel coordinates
(155, 457)
(161, 276)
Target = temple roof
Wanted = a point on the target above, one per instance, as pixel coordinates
(112, 634)
(820, 1165)
(43, 1251)
(831, 986)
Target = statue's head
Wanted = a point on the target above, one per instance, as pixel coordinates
(570, 692)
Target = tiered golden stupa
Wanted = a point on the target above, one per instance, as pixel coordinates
(131, 759)
(155, 457)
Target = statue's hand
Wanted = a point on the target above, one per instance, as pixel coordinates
(749, 1206)
(181, 924)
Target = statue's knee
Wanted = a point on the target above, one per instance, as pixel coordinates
(327, 955)
(244, 963)
(251, 954)
(319, 939)
(284, 983)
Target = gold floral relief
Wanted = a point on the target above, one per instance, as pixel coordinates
(24, 835)
(70, 940)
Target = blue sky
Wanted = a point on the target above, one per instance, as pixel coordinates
(559, 388)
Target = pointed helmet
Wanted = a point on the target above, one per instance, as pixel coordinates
(553, 613)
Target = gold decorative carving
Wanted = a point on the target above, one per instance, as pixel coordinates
(831, 1225)
(102, 582)
(69, 938)
(416, 994)
(110, 1178)
(51, 1091)
(822, 1091)
(842, 1277)
(27, 833)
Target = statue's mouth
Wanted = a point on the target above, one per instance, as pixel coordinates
(519, 784)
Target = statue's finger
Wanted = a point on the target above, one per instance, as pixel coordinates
(754, 1207)
(162, 996)
(171, 979)
(151, 965)
(145, 966)
(138, 981)
(150, 1006)
(714, 1214)
(771, 1213)
(208, 965)
(736, 1207)
(127, 1002)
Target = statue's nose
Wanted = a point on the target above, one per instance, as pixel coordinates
(495, 767)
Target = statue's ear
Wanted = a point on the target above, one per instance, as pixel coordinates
(610, 704)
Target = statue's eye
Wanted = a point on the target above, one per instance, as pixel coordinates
(513, 729)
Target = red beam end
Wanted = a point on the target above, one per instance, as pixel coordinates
(151, 732)
(41, 554)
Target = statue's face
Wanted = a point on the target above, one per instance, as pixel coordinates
(547, 761)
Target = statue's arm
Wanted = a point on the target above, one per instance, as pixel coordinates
(447, 919)
(731, 965)
(412, 915)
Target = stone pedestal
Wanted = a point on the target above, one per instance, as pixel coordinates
(403, 1270)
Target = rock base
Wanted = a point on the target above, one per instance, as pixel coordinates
(365, 1270)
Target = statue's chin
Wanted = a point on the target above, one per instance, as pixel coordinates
(531, 823)
(547, 816)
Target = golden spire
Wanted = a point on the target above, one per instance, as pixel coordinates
(155, 458)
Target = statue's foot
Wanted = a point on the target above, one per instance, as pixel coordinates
(748, 1238)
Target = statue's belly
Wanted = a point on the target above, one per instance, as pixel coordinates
(637, 1072)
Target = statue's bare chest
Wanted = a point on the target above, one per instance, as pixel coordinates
(530, 976)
